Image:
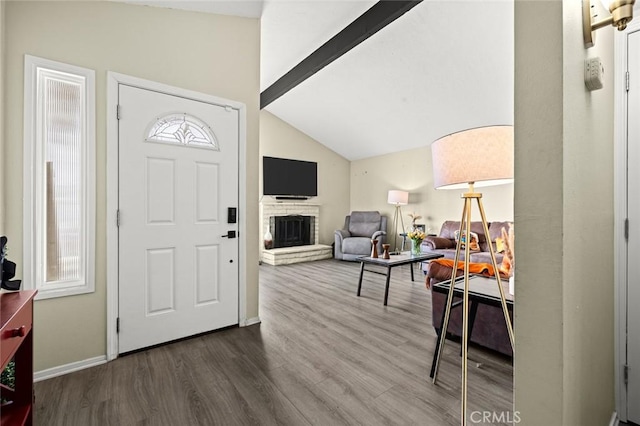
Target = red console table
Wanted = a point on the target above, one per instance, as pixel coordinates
(16, 338)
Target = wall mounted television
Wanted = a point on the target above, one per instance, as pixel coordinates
(284, 178)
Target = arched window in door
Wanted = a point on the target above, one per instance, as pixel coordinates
(182, 129)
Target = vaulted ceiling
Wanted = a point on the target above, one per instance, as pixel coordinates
(442, 67)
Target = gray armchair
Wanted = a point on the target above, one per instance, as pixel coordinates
(354, 240)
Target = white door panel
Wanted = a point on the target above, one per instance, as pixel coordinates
(178, 276)
(633, 197)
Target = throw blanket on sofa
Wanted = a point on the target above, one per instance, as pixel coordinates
(485, 269)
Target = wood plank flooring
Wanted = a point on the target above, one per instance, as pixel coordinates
(321, 356)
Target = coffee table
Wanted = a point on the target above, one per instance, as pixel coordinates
(482, 290)
(404, 258)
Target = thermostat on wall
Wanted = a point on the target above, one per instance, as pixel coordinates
(593, 73)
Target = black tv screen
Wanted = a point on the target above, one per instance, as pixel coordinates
(285, 177)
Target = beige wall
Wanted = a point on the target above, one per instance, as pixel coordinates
(411, 171)
(564, 186)
(212, 54)
(279, 139)
(538, 212)
(345, 186)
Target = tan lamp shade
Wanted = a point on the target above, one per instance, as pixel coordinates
(399, 198)
(482, 156)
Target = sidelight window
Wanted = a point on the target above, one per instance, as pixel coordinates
(59, 173)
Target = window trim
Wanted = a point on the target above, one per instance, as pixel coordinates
(33, 215)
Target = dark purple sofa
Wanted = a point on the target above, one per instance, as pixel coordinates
(489, 329)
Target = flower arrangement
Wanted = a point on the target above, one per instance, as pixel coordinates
(416, 236)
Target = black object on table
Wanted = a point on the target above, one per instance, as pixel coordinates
(405, 258)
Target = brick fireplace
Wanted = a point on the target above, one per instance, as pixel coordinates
(296, 224)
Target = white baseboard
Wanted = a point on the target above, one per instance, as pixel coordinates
(68, 368)
(614, 419)
(250, 321)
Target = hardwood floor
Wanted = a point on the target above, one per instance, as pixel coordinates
(321, 356)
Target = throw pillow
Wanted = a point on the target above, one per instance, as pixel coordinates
(473, 241)
(499, 245)
(508, 261)
(505, 266)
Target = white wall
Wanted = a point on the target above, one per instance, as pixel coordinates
(564, 187)
(588, 296)
(217, 55)
(411, 171)
(279, 139)
(2, 137)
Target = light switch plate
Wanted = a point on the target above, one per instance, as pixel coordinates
(593, 73)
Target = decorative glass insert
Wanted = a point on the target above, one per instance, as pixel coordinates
(183, 129)
(63, 140)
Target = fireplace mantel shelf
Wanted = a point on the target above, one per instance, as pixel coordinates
(289, 203)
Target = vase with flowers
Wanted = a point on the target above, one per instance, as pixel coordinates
(416, 236)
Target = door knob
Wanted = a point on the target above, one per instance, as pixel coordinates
(229, 234)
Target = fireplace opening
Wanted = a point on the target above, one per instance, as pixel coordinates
(292, 230)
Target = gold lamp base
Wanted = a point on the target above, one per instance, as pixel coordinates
(465, 225)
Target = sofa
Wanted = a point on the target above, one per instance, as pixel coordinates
(354, 239)
(489, 330)
(445, 243)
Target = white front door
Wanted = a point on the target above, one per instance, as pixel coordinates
(178, 176)
(633, 200)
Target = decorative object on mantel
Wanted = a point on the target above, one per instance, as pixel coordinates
(385, 253)
(458, 163)
(374, 248)
(268, 239)
(397, 198)
(416, 236)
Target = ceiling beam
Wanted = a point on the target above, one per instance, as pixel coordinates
(370, 22)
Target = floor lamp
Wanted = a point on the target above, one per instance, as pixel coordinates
(477, 157)
(397, 198)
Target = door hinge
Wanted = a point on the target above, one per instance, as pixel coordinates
(118, 325)
(118, 218)
(627, 80)
(626, 229)
(626, 374)
(118, 112)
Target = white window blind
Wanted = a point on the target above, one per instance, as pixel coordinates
(60, 188)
